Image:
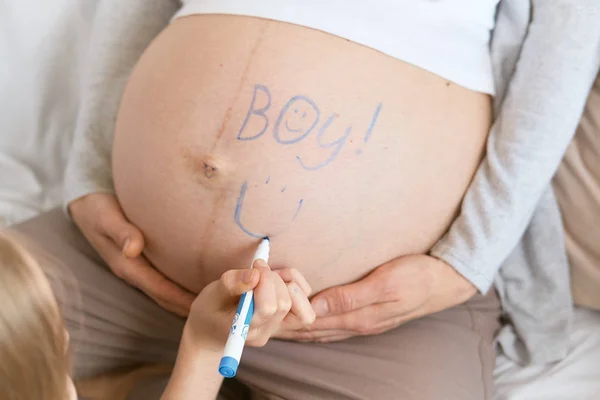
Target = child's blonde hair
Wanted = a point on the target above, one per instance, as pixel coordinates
(34, 364)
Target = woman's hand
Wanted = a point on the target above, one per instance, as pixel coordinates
(278, 296)
(120, 244)
(400, 290)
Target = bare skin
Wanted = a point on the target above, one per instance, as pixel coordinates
(188, 147)
(183, 153)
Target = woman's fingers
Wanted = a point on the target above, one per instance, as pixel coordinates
(115, 226)
(101, 214)
(139, 273)
(120, 244)
(301, 307)
(133, 245)
(179, 311)
(274, 299)
(272, 302)
(159, 287)
(284, 302)
(316, 336)
(293, 275)
(265, 295)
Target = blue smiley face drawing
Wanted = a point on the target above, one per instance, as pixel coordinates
(296, 120)
(257, 233)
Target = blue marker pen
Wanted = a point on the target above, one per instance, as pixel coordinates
(241, 322)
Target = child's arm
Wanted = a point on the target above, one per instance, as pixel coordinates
(122, 30)
(557, 65)
(196, 375)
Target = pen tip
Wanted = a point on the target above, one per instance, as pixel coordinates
(266, 238)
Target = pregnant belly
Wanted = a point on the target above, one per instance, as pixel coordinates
(234, 128)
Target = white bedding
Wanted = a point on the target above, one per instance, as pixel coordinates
(575, 378)
(43, 46)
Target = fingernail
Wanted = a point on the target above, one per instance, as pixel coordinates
(321, 308)
(260, 263)
(247, 275)
(125, 244)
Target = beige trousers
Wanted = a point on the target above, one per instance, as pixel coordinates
(449, 355)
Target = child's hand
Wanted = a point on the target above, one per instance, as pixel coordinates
(277, 295)
(120, 244)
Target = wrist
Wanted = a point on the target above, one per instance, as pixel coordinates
(452, 283)
(197, 354)
(196, 372)
(194, 341)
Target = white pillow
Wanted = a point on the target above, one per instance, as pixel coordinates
(42, 47)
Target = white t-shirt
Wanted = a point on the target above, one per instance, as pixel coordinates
(449, 38)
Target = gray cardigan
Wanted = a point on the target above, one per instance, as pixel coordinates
(545, 55)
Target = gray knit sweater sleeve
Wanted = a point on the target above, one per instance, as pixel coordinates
(535, 123)
(122, 30)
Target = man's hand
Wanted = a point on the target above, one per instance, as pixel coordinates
(120, 244)
(400, 290)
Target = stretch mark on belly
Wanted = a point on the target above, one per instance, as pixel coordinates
(238, 214)
(217, 205)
